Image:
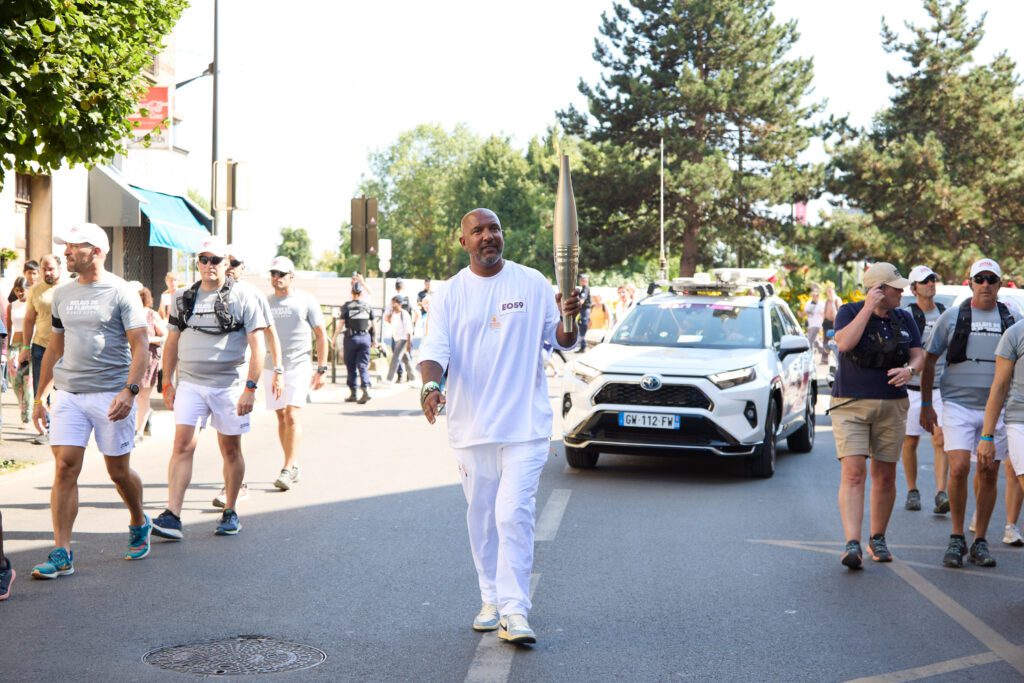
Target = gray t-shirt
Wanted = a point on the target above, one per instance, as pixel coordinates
(294, 316)
(930, 318)
(967, 383)
(213, 360)
(94, 318)
(1011, 347)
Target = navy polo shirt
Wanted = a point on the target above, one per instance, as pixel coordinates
(853, 381)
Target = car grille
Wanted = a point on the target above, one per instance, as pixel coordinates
(694, 432)
(669, 396)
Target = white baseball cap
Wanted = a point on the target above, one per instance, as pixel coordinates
(84, 233)
(283, 264)
(921, 273)
(984, 264)
(213, 246)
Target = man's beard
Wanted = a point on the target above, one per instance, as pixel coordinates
(50, 279)
(490, 260)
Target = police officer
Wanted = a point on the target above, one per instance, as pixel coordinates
(969, 335)
(925, 311)
(879, 352)
(357, 323)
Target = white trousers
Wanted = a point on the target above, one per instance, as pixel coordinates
(500, 482)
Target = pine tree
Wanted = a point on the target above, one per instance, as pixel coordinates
(713, 79)
(939, 176)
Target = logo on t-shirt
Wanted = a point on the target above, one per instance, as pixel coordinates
(514, 306)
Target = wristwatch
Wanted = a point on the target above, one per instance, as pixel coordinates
(134, 388)
(278, 370)
(250, 385)
(321, 370)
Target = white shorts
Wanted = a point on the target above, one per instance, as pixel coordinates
(962, 430)
(1015, 442)
(73, 417)
(296, 387)
(194, 403)
(914, 427)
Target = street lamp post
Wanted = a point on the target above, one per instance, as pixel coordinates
(215, 70)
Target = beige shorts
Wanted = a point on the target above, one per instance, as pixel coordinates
(869, 426)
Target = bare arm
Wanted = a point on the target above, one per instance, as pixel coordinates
(28, 328)
(54, 351)
(431, 371)
(993, 408)
(121, 406)
(170, 365)
(248, 397)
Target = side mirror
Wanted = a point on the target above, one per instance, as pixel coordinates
(793, 343)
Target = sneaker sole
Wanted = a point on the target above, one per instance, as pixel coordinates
(57, 574)
(284, 486)
(149, 537)
(978, 564)
(852, 561)
(517, 640)
(879, 558)
(940, 509)
(170, 534)
(225, 532)
(953, 564)
(483, 628)
(1015, 543)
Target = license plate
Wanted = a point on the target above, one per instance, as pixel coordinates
(649, 420)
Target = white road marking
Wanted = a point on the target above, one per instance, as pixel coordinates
(551, 516)
(492, 660)
(929, 670)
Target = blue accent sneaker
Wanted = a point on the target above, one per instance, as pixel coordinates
(58, 563)
(138, 540)
(229, 524)
(167, 525)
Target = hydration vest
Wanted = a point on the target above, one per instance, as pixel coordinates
(918, 314)
(875, 352)
(957, 351)
(226, 321)
(357, 317)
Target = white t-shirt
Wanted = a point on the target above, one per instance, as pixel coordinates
(489, 332)
(401, 325)
(815, 313)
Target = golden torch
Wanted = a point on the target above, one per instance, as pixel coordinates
(567, 238)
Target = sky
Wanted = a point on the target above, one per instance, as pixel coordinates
(307, 93)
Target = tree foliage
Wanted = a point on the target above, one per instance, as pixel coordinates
(296, 245)
(711, 78)
(70, 77)
(939, 176)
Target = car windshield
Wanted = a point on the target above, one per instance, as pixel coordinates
(697, 325)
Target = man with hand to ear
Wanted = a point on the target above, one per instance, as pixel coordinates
(487, 328)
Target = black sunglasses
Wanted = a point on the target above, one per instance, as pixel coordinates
(990, 279)
(215, 260)
(277, 273)
(235, 263)
(930, 278)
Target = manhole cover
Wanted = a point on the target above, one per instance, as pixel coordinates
(236, 656)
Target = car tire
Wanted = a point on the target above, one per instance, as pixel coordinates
(581, 458)
(802, 440)
(762, 463)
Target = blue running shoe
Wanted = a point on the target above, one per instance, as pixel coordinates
(166, 525)
(138, 540)
(229, 524)
(58, 563)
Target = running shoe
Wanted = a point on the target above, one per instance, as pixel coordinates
(138, 540)
(287, 477)
(980, 554)
(1011, 536)
(913, 500)
(955, 552)
(58, 563)
(222, 498)
(7, 577)
(515, 629)
(229, 524)
(41, 440)
(941, 503)
(878, 549)
(853, 556)
(167, 525)
(488, 618)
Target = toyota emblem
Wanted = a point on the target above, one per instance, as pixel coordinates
(650, 382)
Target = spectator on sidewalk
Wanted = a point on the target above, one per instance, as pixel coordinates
(814, 311)
(156, 332)
(37, 329)
(19, 374)
(401, 338)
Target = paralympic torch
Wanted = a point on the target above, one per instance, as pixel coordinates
(567, 238)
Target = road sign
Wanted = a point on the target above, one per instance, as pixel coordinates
(364, 226)
(385, 265)
(384, 250)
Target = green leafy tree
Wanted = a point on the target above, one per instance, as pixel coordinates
(296, 245)
(939, 176)
(199, 199)
(70, 77)
(713, 79)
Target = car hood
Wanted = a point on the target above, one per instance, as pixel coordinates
(619, 358)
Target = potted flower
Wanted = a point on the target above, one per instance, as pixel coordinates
(6, 256)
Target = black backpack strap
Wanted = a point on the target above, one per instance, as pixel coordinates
(1006, 319)
(918, 314)
(957, 351)
(942, 309)
(188, 304)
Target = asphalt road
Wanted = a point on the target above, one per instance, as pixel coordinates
(647, 569)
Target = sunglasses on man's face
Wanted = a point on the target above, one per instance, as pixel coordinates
(236, 263)
(982, 279)
(929, 280)
(277, 273)
(207, 260)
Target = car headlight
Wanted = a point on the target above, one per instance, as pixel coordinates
(732, 378)
(584, 372)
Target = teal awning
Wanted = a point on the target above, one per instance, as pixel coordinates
(171, 223)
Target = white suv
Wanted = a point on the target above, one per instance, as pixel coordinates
(707, 367)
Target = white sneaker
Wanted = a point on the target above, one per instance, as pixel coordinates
(515, 629)
(1011, 536)
(488, 618)
(974, 522)
(222, 498)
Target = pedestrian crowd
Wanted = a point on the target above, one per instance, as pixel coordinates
(955, 374)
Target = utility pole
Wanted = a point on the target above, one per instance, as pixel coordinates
(662, 262)
(215, 69)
